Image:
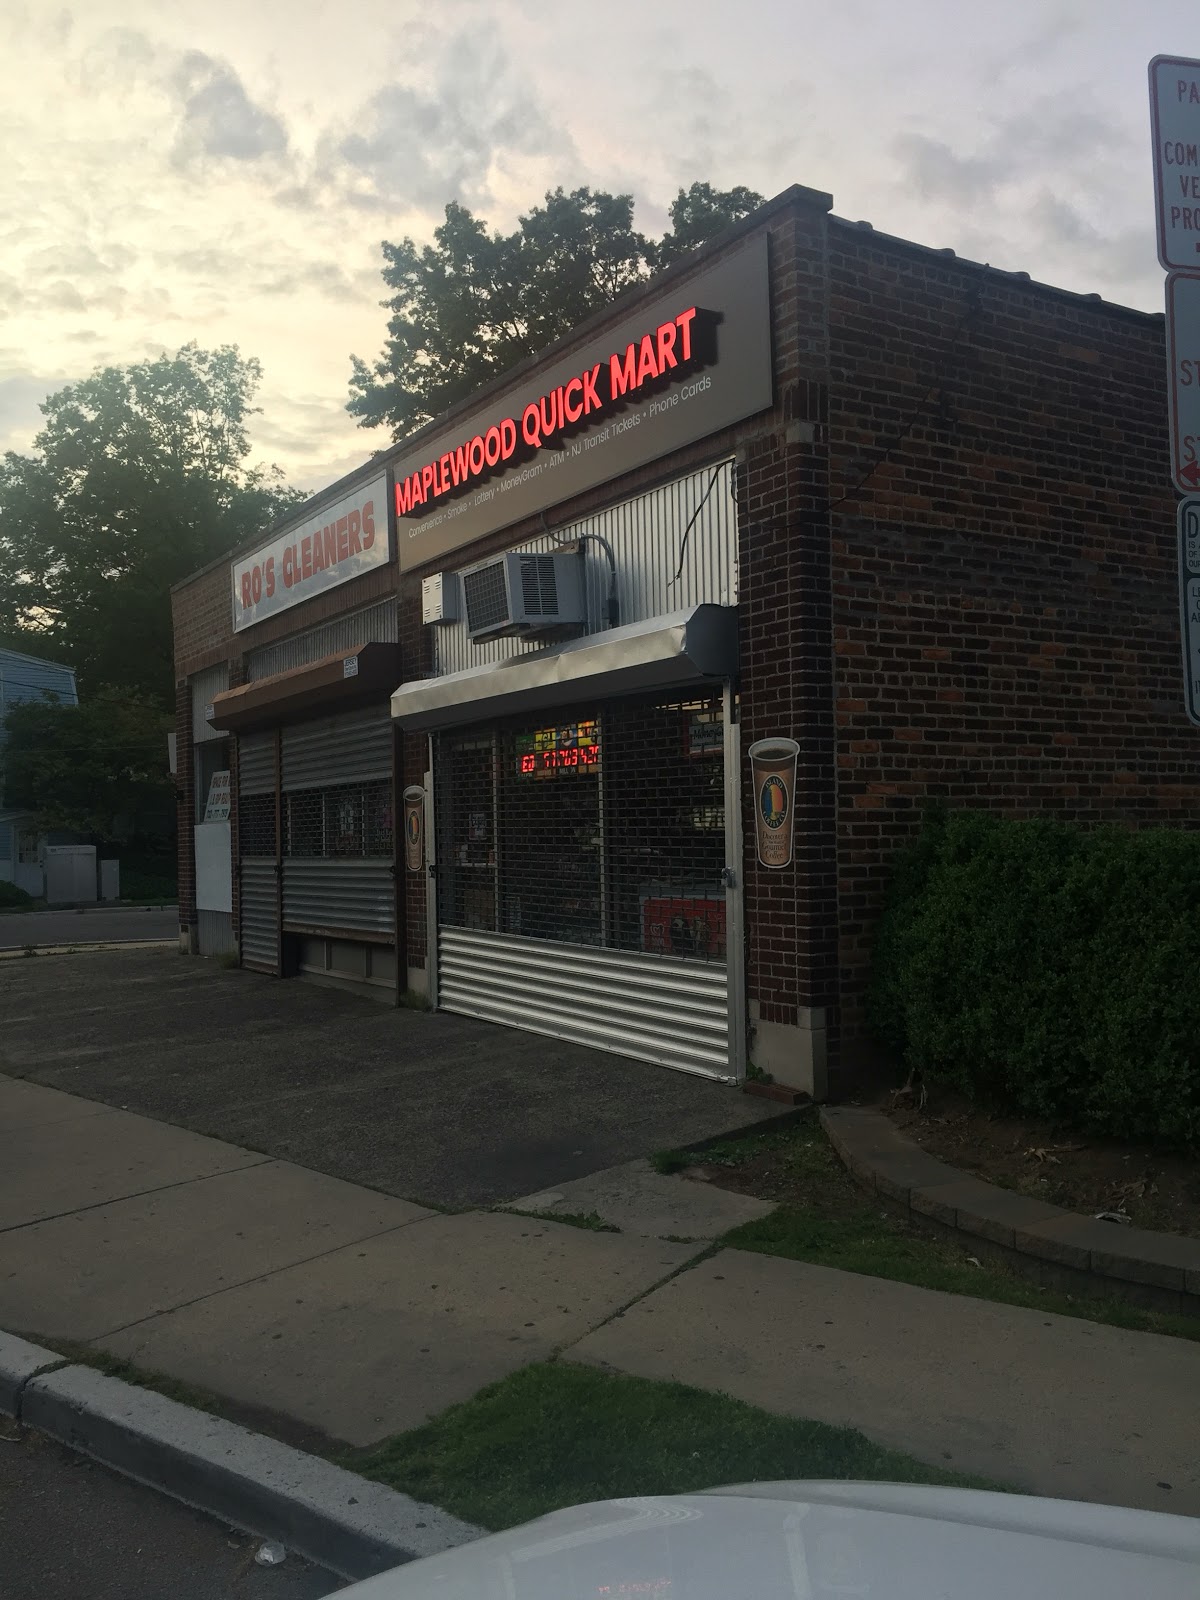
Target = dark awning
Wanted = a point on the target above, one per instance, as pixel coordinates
(689, 647)
(350, 678)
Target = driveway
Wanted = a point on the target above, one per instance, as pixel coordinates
(440, 1109)
(101, 925)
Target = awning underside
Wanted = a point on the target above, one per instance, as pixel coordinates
(335, 682)
(688, 647)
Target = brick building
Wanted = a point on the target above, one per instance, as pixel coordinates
(812, 484)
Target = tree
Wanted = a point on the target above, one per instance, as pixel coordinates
(99, 768)
(699, 214)
(474, 303)
(138, 477)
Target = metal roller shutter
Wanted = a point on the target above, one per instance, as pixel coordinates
(258, 869)
(351, 748)
(585, 878)
(675, 1014)
(338, 825)
(358, 896)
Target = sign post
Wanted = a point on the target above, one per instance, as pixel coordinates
(1175, 127)
(1189, 602)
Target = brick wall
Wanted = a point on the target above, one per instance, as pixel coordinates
(1004, 593)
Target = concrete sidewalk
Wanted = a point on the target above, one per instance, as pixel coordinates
(340, 1311)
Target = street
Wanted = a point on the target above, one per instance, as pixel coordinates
(75, 1531)
(101, 925)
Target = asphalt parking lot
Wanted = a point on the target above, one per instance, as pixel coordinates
(435, 1108)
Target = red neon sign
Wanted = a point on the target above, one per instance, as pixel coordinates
(669, 349)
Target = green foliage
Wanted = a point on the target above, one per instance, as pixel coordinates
(99, 768)
(138, 477)
(12, 898)
(1046, 968)
(475, 303)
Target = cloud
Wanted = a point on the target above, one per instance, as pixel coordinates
(416, 147)
(220, 121)
(21, 396)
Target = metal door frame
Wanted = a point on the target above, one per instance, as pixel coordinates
(431, 876)
(735, 915)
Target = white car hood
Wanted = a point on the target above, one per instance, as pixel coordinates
(818, 1541)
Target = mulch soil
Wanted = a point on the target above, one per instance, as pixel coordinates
(1153, 1189)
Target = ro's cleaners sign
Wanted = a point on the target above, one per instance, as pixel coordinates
(341, 541)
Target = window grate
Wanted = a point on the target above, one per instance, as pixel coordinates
(351, 821)
(603, 826)
(256, 825)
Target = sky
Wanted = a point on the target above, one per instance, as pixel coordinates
(224, 171)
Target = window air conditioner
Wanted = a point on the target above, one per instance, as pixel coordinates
(526, 593)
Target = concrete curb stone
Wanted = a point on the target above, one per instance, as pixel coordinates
(19, 1362)
(332, 1516)
(1113, 1259)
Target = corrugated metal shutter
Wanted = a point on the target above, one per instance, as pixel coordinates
(205, 686)
(376, 624)
(256, 763)
(260, 915)
(674, 1013)
(353, 747)
(357, 896)
(258, 872)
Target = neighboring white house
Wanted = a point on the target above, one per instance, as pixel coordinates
(24, 678)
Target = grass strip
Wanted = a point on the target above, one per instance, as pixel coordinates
(559, 1434)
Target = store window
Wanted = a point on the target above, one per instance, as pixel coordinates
(606, 828)
(211, 758)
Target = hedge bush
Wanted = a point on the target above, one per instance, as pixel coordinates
(12, 898)
(1049, 969)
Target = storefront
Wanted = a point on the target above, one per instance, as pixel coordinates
(601, 706)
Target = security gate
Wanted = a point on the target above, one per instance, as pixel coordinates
(317, 847)
(338, 836)
(586, 886)
(258, 858)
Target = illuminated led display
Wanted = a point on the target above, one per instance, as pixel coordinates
(552, 749)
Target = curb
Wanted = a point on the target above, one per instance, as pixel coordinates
(84, 947)
(1160, 1270)
(333, 1517)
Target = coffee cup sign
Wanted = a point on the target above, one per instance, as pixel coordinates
(414, 828)
(773, 768)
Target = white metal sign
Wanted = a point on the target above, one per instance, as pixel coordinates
(1183, 379)
(216, 808)
(1189, 602)
(1175, 120)
(333, 545)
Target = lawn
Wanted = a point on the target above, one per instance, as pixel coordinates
(824, 1216)
(559, 1434)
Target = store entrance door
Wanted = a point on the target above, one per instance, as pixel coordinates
(587, 880)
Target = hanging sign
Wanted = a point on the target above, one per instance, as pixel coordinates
(773, 769)
(414, 828)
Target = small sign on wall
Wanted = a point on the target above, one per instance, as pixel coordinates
(414, 828)
(773, 769)
(216, 807)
